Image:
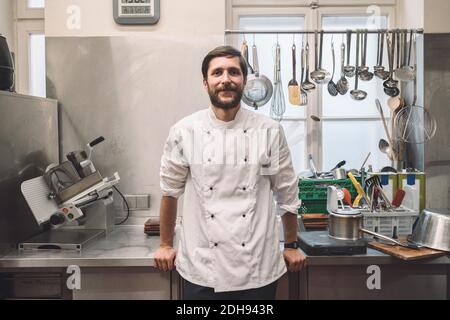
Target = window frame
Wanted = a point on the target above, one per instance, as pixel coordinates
(24, 29)
(24, 12)
(313, 21)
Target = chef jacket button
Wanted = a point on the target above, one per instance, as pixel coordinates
(245, 189)
(245, 131)
(211, 188)
(243, 244)
(208, 132)
(212, 216)
(216, 244)
(246, 160)
(209, 160)
(244, 215)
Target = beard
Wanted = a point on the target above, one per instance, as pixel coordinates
(217, 101)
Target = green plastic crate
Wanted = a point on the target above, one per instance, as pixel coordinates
(313, 193)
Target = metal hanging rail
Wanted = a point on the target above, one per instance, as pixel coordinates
(228, 32)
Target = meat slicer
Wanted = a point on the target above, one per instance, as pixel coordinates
(72, 201)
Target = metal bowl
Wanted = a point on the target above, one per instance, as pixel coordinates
(433, 229)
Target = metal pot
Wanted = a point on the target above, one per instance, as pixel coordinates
(433, 229)
(346, 224)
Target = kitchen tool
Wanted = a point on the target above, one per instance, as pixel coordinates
(344, 222)
(406, 254)
(6, 66)
(389, 137)
(359, 189)
(303, 93)
(385, 147)
(365, 161)
(365, 74)
(347, 197)
(342, 84)
(339, 174)
(408, 245)
(258, 90)
(340, 165)
(432, 230)
(315, 118)
(313, 166)
(390, 85)
(293, 87)
(380, 71)
(73, 207)
(348, 69)
(398, 198)
(307, 85)
(332, 87)
(406, 72)
(320, 75)
(278, 103)
(415, 124)
(357, 94)
(375, 182)
(319, 243)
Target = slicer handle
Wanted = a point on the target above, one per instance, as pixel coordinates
(96, 142)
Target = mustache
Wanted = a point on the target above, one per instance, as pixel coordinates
(227, 88)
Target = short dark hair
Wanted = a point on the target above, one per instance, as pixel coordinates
(224, 51)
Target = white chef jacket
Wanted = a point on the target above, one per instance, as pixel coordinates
(230, 176)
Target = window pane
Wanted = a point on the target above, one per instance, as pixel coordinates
(266, 52)
(295, 132)
(345, 106)
(352, 141)
(36, 3)
(37, 65)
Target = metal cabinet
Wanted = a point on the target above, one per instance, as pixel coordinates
(357, 282)
(124, 283)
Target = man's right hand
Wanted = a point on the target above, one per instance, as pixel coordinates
(165, 258)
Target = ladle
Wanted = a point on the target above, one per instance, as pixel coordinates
(342, 85)
(380, 71)
(320, 75)
(348, 69)
(307, 85)
(332, 87)
(365, 74)
(356, 94)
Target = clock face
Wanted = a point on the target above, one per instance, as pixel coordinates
(136, 12)
(133, 8)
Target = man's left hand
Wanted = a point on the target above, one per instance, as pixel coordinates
(295, 260)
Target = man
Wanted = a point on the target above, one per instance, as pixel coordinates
(230, 163)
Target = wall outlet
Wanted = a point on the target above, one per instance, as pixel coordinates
(137, 202)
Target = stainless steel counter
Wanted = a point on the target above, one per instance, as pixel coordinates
(126, 246)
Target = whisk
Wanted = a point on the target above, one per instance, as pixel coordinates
(278, 102)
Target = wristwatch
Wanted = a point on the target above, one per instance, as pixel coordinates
(292, 245)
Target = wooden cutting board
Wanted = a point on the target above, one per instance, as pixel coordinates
(405, 253)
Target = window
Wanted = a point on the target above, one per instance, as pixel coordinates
(36, 4)
(346, 122)
(30, 62)
(294, 122)
(346, 125)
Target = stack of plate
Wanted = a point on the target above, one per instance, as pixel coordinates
(151, 227)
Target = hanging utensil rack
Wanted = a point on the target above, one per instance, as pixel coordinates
(369, 31)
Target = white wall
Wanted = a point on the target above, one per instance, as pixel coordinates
(178, 17)
(410, 14)
(187, 30)
(7, 22)
(437, 16)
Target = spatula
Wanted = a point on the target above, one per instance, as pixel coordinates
(294, 88)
